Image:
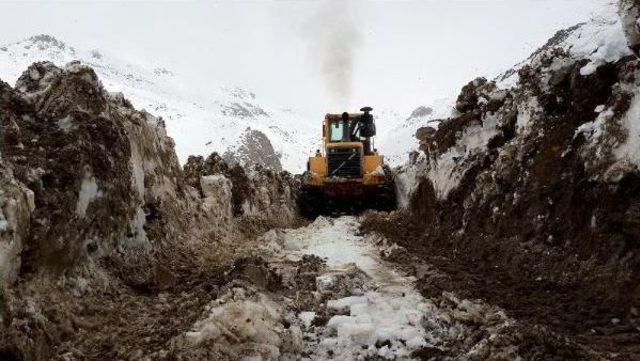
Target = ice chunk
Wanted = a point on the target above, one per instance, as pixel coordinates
(88, 193)
(346, 302)
(65, 124)
(307, 318)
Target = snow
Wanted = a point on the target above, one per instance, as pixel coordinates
(88, 193)
(601, 40)
(629, 151)
(307, 318)
(390, 312)
(446, 171)
(407, 178)
(65, 124)
(215, 185)
(374, 310)
(526, 114)
(327, 239)
(592, 130)
(242, 318)
(136, 224)
(396, 129)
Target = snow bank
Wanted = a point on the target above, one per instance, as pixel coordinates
(601, 40)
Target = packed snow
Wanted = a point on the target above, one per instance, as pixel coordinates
(390, 312)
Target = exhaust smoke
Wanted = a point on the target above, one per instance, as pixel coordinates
(335, 38)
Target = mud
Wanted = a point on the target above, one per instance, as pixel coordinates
(557, 313)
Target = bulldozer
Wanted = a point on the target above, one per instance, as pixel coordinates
(348, 175)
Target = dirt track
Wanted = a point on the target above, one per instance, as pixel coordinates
(319, 292)
(555, 321)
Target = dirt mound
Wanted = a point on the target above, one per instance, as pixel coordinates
(256, 192)
(100, 171)
(98, 220)
(529, 196)
(255, 148)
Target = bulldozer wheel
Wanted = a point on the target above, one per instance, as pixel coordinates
(310, 202)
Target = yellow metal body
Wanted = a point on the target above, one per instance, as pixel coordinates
(372, 174)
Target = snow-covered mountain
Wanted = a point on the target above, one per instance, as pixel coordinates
(199, 124)
(600, 40)
(225, 119)
(397, 129)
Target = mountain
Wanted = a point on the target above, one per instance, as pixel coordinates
(199, 127)
(396, 129)
(232, 121)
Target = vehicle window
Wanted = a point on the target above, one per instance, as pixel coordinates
(336, 131)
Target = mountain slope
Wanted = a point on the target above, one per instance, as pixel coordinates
(199, 124)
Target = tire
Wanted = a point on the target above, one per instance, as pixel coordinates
(310, 202)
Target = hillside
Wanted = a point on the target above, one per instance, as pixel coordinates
(530, 192)
(199, 123)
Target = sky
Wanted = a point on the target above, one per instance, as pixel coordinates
(314, 56)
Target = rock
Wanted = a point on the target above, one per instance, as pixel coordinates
(425, 133)
(469, 95)
(420, 112)
(254, 149)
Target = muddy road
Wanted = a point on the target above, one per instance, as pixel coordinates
(321, 291)
(325, 292)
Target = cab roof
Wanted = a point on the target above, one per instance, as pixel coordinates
(334, 117)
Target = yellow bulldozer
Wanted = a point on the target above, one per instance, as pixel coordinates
(348, 175)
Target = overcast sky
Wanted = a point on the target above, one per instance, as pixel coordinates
(311, 55)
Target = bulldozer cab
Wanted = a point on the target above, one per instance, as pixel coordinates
(341, 131)
(350, 128)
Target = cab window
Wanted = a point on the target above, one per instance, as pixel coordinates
(336, 131)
